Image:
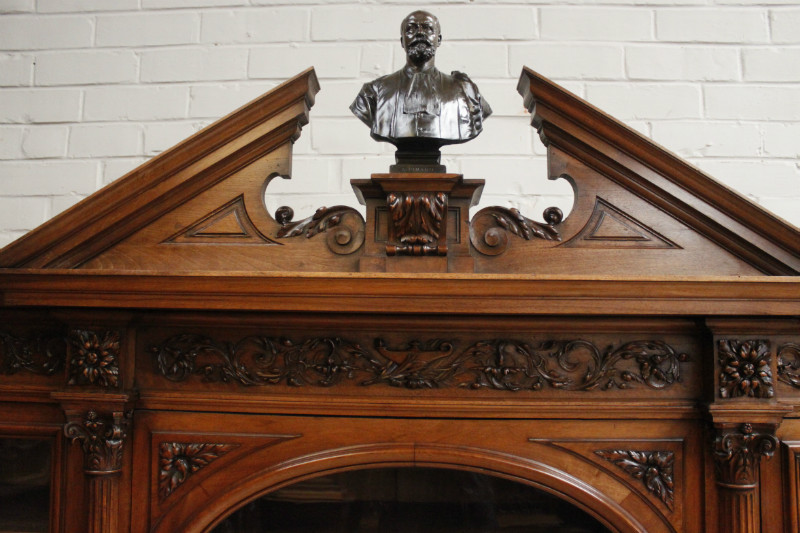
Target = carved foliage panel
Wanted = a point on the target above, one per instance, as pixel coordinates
(475, 364)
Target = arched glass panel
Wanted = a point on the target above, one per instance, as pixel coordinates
(409, 500)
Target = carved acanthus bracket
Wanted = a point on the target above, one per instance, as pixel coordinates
(178, 461)
(346, 225)
(417, 223)
(42, 354)
(789, 364)
(490, 227)
(738, 449)
(505, 365)
(653, 468)
(95, 358)
(744, 369)
(102, 438)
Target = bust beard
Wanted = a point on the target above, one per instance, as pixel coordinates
(421, 52)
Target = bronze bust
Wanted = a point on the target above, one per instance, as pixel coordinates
(418, 108)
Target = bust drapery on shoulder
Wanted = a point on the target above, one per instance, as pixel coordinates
(419, 101)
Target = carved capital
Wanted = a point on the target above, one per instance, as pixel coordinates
(102, 439)
(738, 451)
(95, 358)
(744, 369)
(418, 222)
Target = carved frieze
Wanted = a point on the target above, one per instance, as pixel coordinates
(178, 461)
(417, 221)
(737, 452)
(490, 227)
(344, 238)
(789, 364)
(653, 468)
(744, 369)
(42, 354)
(496, 364)
(95, 358)
(102, 439)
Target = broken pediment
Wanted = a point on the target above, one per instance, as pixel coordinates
(638, 209)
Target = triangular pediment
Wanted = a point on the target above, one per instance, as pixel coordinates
(639, 210)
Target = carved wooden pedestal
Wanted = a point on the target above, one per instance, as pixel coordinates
(417, 222)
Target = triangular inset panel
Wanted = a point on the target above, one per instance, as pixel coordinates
(228, 224)
(610, 227)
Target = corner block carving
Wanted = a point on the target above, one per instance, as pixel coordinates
(490, 227)
(417, 221)
(653, 468)
(95, 358)
(178, 461)
(345, 239)
(744, 369)
(737, 452)
(42, 354)
(102, 439)
(496, 364)
(789, 364)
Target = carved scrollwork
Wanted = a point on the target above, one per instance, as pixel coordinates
(178, 461)
(417, 220)
(490, 227)
(653, 468)
(95, 358)
(499, 364)
(789, 364)
(42, 354)
(343, 225)
(579, 365)
(102, 439)
(737, 452)
(744, 369)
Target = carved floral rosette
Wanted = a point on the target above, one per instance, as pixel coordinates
(95, 358)
(505, 365)
(102, 439)
(653, 468)
(745, 369)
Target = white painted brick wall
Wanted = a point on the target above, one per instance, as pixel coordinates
(89, 89)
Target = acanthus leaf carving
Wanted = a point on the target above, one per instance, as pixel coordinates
(498, 364)
(789, 364)
(102, 439)
(653, 468)
(490, 227)
(346, 238)
(738, 451)
(42, 354)
(95, 358)
(178, 461)
(744, 369)
(417, 222)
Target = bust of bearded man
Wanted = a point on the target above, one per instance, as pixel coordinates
(418, 108)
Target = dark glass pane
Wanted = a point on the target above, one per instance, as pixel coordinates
(24, 485)
(409, 500)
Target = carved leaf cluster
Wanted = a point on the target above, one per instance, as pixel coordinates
(515, 223)
(95, 358)
(745, 369)
(417, 217)
(178, 461)
(321, 221)
(42, 354)
(789, 364)
(498, 364)
(653, 468)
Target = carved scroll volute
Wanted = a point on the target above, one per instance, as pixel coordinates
(103, 439)
(738, 450)
(490, 228)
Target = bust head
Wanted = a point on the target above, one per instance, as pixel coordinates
(420, 36)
